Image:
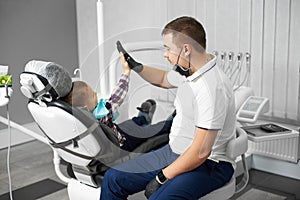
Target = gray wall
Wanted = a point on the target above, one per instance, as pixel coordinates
(35, 29)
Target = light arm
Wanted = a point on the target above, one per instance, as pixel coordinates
(155, 76)
(195, 155)
(152, 75)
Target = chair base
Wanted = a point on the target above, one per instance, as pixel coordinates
(79, 191)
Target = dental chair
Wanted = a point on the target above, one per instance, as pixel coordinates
(77, 138)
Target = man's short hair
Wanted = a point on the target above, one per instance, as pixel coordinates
(187, 30)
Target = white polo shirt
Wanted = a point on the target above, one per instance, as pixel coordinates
(204, 100)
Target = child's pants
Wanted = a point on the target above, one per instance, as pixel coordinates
(135, 135)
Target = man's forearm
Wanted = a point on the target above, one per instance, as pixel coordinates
(155, 76)
(188, 161)
(194, 155)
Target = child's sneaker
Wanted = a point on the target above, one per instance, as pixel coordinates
(147, 110)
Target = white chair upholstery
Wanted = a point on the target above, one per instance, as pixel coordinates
(76, 137)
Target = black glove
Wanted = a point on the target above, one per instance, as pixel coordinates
(134, 65)
(151, 187)
(154, 184)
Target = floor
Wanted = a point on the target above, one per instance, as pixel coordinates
(29, 163)
(275, 184)
(32, 162)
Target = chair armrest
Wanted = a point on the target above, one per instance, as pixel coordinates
(239, 145)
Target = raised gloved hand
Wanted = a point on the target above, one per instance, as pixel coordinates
(134, 65)
(155, 183)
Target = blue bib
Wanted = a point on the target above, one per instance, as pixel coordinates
(100, 111)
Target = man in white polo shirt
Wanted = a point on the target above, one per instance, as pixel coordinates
(194, 162)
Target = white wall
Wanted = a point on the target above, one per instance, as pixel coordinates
(86, 12)
(268, 29)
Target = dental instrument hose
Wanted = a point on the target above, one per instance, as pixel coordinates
(8, 153)
(9, 144)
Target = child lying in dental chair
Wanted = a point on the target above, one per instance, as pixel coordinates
(87, 147)
(131, 133)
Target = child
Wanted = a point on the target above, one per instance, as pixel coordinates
(130, 133)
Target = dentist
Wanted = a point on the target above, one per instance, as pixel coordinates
(194, 162)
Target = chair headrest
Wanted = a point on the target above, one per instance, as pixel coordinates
(241, 94)
(45, 80)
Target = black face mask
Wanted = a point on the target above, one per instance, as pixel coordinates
(180, 69)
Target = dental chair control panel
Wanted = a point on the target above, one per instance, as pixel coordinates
(252, 108)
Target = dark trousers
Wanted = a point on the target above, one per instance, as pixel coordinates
(133, 176)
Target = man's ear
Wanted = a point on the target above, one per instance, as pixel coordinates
(187, 50)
